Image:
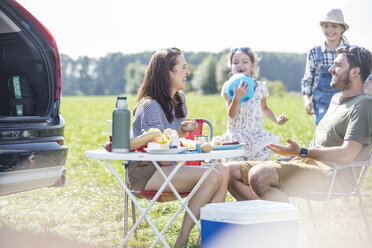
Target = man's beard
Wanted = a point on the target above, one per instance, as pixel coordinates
(342, 82)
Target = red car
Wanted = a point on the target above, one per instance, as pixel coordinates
(32, 150)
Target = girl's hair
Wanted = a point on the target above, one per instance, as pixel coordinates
(157, 84)
(252, 55)
(343, 38)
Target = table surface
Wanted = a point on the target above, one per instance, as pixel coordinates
(143, 156)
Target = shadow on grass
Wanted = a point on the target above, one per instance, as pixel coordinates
(11, 238)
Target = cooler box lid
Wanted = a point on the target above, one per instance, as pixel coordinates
(249, 212)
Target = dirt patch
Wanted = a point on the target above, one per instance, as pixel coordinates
(11, 238)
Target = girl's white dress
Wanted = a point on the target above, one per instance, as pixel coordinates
(248, 127)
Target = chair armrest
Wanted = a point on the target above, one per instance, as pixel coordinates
(353, 164)
(210, 129)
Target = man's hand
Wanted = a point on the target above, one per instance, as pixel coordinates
(293, 149)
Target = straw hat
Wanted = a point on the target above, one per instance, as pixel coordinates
(334, 16)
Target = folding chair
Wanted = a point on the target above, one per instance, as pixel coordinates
(199, 131)
(330, 194)
(165, 196)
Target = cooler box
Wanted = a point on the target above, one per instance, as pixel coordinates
(255, 224)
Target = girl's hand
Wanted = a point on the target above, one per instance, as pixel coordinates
(309, 106)
(293, 149)
(282, 119)
(241, 90)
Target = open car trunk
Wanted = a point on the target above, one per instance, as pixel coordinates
(27, 87)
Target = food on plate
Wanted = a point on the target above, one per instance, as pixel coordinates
(231, 143)
(153, 137)
(164, 138)
(216, 141)
(206, 147)
(156, 146)
(143, 139)
(168, 132)
(188, 143)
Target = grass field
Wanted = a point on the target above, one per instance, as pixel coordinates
(88, 211)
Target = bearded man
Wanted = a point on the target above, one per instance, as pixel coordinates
(342, 136)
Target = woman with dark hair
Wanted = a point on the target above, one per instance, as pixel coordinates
(161, 104)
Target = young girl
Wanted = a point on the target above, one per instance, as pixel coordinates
(316, 81)
(245, 121)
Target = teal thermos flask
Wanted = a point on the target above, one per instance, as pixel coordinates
(121, 126)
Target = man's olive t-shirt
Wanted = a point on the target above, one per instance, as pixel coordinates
(347, 118)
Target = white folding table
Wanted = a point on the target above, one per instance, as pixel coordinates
(182, 158)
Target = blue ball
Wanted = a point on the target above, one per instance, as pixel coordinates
(236, 79)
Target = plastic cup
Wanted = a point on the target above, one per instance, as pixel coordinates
(201, 138)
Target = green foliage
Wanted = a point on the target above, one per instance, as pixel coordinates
(192, 69)
(105, 75)
(89, 208)
(82, 70)
(110, 74)
(204, 80)
(222, 72)
(134, 76)
(276, 88)
(286, 67)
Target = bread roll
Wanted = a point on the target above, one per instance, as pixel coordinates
(206, 147)
(168, 132)
(216, 141)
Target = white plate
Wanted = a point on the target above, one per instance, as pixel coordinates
(228, 147)
(166, 151)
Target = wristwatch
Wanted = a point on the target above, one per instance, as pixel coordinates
(303, 152)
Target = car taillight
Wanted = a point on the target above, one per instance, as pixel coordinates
(48, 37)
(60, 142)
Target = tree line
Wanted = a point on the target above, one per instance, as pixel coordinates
(118, 73)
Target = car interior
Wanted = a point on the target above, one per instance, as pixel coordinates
(23, 75)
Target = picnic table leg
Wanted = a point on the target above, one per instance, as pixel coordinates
(184, 204)
(144, 213)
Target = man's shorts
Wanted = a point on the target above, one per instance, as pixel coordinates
(297, 176)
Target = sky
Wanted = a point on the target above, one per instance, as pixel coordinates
(95, 28)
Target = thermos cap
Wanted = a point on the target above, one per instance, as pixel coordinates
(121, 103)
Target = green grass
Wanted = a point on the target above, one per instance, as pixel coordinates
(89, 209)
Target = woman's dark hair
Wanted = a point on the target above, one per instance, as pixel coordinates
(157, 85)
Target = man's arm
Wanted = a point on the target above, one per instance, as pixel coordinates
(343, 154)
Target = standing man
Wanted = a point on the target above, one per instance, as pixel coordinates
(344, 135)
